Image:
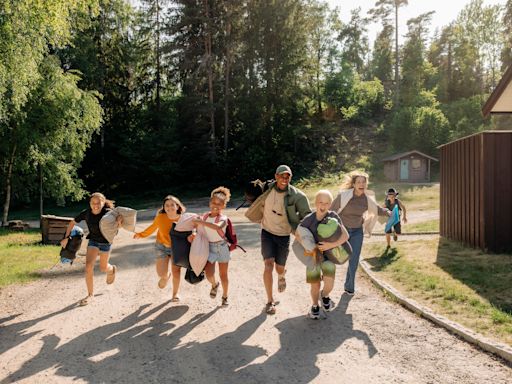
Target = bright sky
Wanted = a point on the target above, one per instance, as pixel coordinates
(446, 11)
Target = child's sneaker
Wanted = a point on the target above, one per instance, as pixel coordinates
(314, 313)
(328, 304)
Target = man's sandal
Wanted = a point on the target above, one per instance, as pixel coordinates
(224, 301)
(270, 308)
(213, 291)
(111, 276)
(86, 300)
(175, 299)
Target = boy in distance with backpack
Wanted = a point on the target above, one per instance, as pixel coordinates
(390, 203)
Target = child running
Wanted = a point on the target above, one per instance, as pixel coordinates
(324, 269)
(97, 244)
(390, 203)
(215, 223)
(171, 210)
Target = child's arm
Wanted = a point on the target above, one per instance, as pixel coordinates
(402, 207)
(221, 224)
(325, 245)
(64, 241)
(148, 231)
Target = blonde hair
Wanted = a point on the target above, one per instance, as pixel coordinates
(104, 201)
(221, 193)
(350, 179)
(181, 208)
(324, 192)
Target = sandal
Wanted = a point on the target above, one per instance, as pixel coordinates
(281, 283)
(175, 299)
(111, 276)
(225, 301)
(270, 308)
(213, 291)
(86, 300)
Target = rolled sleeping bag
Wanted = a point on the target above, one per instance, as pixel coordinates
(180, 247)
(68, 254)
(199, 251)
(329, 230)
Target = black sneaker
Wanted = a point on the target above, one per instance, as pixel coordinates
(328, 304)
(314, 313)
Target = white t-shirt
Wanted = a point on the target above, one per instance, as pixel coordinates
(212, 234)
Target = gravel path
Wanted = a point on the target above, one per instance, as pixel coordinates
(132, 333)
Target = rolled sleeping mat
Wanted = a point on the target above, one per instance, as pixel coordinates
(108, 223)
(305, 249)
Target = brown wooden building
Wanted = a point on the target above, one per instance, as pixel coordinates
(476, 190)
(412, 166)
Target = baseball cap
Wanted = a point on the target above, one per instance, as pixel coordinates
(392, 191)
(283, 169)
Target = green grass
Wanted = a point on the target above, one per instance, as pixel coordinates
(424, 226)
(465, 285)
(22, 256)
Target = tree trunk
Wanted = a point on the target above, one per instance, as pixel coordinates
(158, 69)
(208, 52)
(397, 76)
(8, 184)
(227, 93)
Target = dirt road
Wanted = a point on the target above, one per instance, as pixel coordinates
(132, 333)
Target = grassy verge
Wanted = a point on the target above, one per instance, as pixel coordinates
(465, 285)
(22, 256)
(425, 226)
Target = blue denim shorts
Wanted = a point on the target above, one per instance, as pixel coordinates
(103, 247)
(219, 252)
(161, 251)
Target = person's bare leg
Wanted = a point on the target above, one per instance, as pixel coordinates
(176, 275)
(388, 239)
(328, 286)
(90, 260)
(268, 279)
(223, 272)
(162, 269)
(315, 292)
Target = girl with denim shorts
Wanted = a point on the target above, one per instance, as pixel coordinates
(215, 223)
(97, 245)
(169, 214)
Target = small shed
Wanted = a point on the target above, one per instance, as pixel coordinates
(53, 228)
(500, 100)
(413, 166)
(476, 190)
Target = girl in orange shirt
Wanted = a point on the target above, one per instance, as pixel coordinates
(170, 213)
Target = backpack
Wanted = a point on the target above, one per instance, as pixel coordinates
(254, 189)
(230, 235)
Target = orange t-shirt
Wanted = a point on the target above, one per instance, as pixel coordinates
(163, 224)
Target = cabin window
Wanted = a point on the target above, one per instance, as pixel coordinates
(416, 163)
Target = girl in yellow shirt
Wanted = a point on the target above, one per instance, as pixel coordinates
(172, 208)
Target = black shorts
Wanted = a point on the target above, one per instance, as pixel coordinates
(397, 228)
(275, 247)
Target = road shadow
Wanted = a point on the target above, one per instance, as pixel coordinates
(302, 341)
(14, 334)
(110, 353)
